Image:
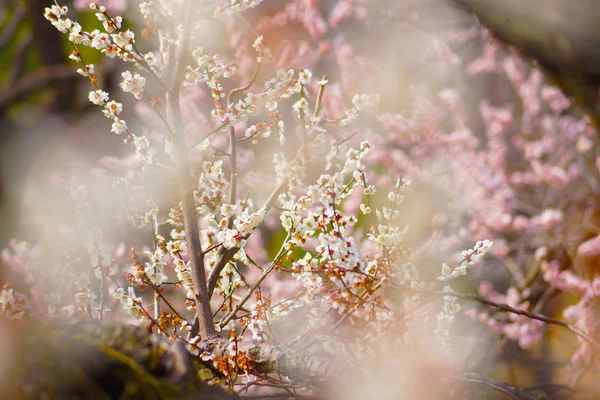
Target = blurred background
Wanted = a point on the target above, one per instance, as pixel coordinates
(49, 130)
(47, 125)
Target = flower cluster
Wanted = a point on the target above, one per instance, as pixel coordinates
(129, 301)
(469, 257)
(133, 83)
(12, 304)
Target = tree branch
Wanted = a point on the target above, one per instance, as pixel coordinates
(205, 327)
(10, 94)
(530, 315)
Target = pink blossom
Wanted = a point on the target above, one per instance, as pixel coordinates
(342, 10)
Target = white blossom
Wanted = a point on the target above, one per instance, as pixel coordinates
(98, 97)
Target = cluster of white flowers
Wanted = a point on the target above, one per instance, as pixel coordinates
(301, 106)
(129, 301)
(87, 71)
(124, 40)
(100, 40)
(184, 275)
(85, 295)
(153, 270)
(360, 102)
(281, 87)
(306, 269)
(112, 110)
(264, 53)
(315, 219)
(110, 24)
(113, 43)
(230, 238)
(133, 83)
(257, 325)
(119, 44)
(448, 272)
(55, 15)
(388, 233)
(141, 144)
(475, 254)
(469, 258)
(293, 172)
(98, 97)
(246, 224)
(12, 304)
(212, 188)
(209, 69)
(118, 126)
(445, 318)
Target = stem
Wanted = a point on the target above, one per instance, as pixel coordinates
(158, 295)
(233, 172)
(156, 292)
(210, 134)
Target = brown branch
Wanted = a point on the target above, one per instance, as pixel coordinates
(158, 295)
(232, 172)
(13, 21)
(206, 327)
(512, 391)
(530, 315)
(10, 94)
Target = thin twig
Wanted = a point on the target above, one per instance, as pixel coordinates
(245, 87)
(210, 134)
(232, 172)
(512, 391)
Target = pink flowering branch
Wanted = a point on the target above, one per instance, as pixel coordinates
(530, 315)
(524, 313)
